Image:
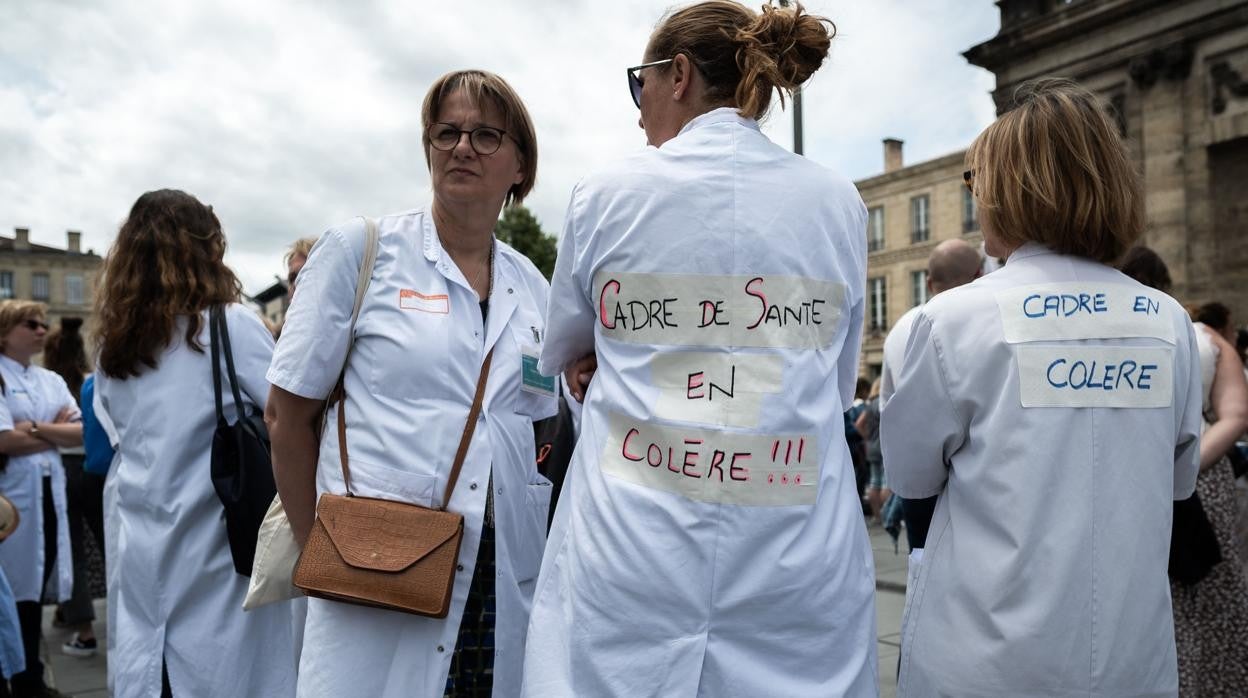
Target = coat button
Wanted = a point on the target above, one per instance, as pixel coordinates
(510, 290)
(441, 648)
(473, 486)
(459, 568)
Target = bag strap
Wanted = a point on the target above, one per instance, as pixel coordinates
(229, 359)
(338, 394)
(214, 342)
(465, 440)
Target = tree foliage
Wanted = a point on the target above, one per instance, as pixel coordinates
(519, 228)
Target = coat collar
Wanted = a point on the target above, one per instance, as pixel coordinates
(719, 116)
(1028, 249)
(13, 365)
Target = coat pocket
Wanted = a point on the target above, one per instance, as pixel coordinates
(382, 482)
(531, 533)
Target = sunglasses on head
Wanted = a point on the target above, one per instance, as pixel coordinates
(635, 81)
(33, 325)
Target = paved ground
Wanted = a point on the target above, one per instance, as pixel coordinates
(85, 678)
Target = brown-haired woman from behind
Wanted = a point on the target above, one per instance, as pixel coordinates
(175, 601)
(1054, 407)
(716, 539)
(37, 416)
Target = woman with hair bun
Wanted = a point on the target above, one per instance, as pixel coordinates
(710, 540)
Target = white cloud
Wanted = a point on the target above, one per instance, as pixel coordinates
(290, 116)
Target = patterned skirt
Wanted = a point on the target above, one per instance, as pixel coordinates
(472, 664)
(1211, 616)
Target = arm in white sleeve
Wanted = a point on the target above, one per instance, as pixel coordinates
(920, 428)
(570, 313)
(316, 335)
(251, 344)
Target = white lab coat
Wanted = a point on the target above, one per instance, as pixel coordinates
(1044, 572)
(172, 587)
(410, 383)
(720, 571)
(33, 393)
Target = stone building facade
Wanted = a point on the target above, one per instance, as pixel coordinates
(64, 279)
(1176, 72)
(910, 210)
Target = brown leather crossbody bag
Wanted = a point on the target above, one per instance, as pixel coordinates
(383, 553)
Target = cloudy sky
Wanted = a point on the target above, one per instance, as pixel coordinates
(288, 116)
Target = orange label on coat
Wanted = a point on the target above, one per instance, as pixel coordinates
(415, 300)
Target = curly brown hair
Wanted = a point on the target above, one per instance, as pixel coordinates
(167, 262)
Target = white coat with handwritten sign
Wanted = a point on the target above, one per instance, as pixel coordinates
(410, 380)
(1054, 406)
(710, 541)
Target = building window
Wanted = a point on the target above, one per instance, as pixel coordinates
(877, 304)
(918, 286)
(875, 229)
(6, 284)
(970, 213)
(919, 209)
(73, 290)
(39, 286)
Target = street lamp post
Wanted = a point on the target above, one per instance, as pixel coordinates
(797, 107)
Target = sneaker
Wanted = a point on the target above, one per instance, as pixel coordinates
(78, 647)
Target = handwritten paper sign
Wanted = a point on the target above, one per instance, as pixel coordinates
(714, 466)
(722, 389)
(1096, 376)
(718, 311)
(1048, 312)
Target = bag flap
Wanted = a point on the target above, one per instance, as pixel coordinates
(376, 534)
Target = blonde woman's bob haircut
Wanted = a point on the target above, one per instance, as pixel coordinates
(1054, 170)
(15, 312)
(481, 88)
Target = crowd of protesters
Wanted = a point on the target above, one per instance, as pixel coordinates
(1058, 436)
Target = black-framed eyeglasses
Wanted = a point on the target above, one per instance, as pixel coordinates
(968, 178)
(485, 140)
(635, 81)
(33, 325)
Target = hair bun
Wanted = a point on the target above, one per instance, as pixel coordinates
(781, 48)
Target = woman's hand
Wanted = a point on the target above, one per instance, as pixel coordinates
(292, 421)
(578, 375)
(18, 441)
(61, 432)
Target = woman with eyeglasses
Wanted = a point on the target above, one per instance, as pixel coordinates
(1054, 407)
(710, 541)
(444, 295)
(38, 416)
